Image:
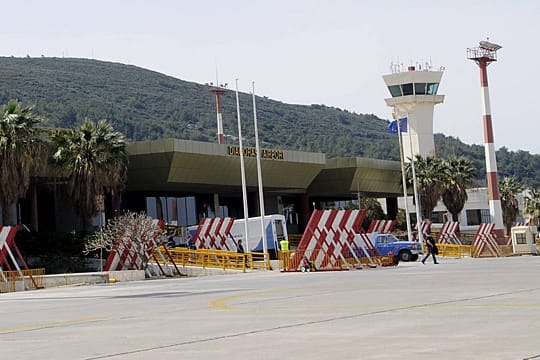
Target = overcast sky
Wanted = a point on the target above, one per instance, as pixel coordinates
(307, 51)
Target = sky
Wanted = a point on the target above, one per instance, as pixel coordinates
(308, 51)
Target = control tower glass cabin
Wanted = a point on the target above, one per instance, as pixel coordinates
(414, 96)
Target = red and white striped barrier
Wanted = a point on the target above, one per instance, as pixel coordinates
(7, 247)
(7, 244)
(215, 233)
(450, 233)
(329, 236)
(484, 243)
(381, 226)
(128, 254)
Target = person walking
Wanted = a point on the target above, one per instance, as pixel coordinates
(432, 248)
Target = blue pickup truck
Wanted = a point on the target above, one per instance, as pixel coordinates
(401, 250)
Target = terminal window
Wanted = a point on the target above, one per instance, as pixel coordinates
(478, 216)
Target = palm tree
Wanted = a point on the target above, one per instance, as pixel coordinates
(509, 187)
(21, 148)
(459, 174)
(532, 205)
(94, 159)
(429, 181)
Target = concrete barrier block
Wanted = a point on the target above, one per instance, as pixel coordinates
(127, 275)
(74, 279)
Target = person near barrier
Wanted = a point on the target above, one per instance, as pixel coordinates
(432, 248)
(239, 247)
(191, 244)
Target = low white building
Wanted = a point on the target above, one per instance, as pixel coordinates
(475, 212)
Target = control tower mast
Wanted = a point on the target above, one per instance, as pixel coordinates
(218, 90)
(483, 55)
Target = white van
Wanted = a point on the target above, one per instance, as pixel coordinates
(274, 225)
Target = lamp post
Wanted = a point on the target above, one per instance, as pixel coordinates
(242, 171)
(259, 175)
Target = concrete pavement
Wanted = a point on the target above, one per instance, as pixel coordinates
(460, 309)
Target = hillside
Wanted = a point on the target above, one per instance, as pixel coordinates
(147, 105)
(144, 104)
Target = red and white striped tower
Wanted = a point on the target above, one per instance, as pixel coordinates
(218, 90)
(484, 55)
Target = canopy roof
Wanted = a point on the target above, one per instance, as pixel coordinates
(193, 166)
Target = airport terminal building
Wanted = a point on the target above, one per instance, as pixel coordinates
(182, 181)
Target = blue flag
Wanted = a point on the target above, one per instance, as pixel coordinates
(393, 126)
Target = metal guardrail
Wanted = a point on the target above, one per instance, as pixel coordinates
(292, 260)
(453, 250)
(219, 259)
(31, 279)
(459, 251)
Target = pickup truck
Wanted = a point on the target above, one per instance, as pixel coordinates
(401, 250)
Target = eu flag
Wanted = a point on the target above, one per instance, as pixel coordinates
(393, 126)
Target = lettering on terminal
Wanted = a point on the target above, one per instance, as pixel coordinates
(252, 152)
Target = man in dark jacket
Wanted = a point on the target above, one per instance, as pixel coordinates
(432, 248)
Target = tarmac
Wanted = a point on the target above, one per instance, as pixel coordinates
(460, 309)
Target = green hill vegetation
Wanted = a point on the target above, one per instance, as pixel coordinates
(146, 105)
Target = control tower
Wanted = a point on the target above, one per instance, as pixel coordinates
(414, 96)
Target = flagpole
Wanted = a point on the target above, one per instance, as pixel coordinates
(242, 171)
(404, 180)
(415, 189)
(259, 176)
